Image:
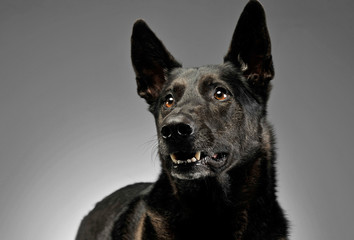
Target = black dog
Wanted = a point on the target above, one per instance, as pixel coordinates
(215, 145)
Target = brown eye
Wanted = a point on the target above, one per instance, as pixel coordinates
(169, 101)
(220, 94)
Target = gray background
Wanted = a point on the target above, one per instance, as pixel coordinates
(73, 128)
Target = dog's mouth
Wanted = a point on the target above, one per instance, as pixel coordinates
(185, 158)
(194, 165)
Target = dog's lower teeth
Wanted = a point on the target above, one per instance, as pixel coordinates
(191, 160)
(196, 159)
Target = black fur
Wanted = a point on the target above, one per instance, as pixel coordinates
(215, 145)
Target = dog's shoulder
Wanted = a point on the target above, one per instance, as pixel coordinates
(99, 222)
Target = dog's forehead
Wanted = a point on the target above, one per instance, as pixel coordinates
(189, 77)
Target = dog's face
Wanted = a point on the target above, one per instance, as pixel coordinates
(201, 115)
(209, 118)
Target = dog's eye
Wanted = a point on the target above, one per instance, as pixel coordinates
(221, 94)
(169, 101)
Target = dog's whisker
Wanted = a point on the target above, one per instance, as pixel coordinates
(152, 146)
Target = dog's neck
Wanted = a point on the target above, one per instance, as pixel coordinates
(236, 188)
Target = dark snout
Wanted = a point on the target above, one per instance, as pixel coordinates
(177, 128)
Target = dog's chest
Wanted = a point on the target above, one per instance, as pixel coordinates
(208, 223)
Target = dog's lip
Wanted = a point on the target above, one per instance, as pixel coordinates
(197, 157)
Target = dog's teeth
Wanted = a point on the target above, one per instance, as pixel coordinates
(191, 160)
(197, 155)
(173, 157)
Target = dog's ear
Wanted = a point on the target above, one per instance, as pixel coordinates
(250, 48)
(151, 61)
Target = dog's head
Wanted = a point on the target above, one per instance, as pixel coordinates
(208, 118)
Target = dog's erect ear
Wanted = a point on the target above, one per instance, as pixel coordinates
(250, 48)
(151, 61)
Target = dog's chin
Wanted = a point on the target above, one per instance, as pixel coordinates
(190, 166)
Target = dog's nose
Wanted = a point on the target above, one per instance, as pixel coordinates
(177, 130)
